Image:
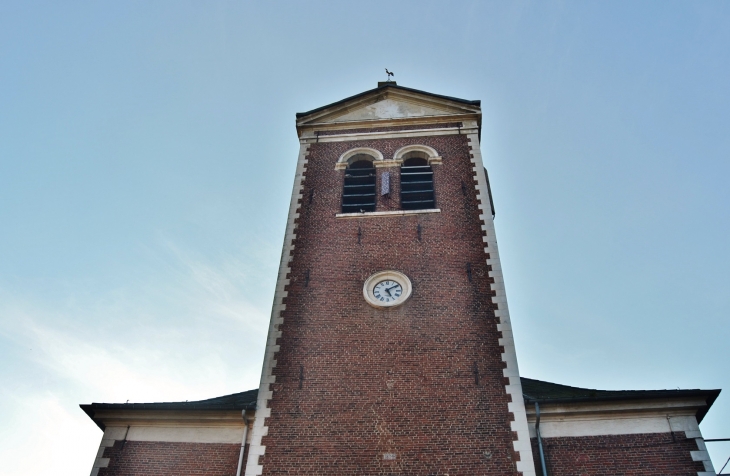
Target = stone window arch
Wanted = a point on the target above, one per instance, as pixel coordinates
(425, 152)
(357, 154)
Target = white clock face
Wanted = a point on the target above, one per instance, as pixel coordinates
(388, 291)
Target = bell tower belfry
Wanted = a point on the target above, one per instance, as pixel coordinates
(390, 348)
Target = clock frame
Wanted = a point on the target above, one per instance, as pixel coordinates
(368, 289)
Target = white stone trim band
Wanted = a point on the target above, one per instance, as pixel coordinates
(615, 418)
(344, 159)
(393, 213)
(256, 449)
(702, 455)
(179, 434)
(450, 131)
(100, 461)
(429, 151)
(522, 444)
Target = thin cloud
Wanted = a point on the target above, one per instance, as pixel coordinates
(181, 334)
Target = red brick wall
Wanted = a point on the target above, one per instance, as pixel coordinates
(144, 458)
(649, 454)
(354, 382)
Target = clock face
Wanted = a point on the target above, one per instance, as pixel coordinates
(388, 291)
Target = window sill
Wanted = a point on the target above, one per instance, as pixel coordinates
(394, 213)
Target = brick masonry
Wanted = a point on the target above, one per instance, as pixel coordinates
(414, 390)
(143, 458)
(648, 454)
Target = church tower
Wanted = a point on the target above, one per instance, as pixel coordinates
(390, 348)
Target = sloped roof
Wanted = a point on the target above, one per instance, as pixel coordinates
(533, 390)
(547, 392)
(235, 401)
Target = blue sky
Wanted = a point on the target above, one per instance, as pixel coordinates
(147, 153)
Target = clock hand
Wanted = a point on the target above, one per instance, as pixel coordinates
(387, 290)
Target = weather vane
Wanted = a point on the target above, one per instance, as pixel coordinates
(388, 73)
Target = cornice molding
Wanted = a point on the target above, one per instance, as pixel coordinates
(310, 128)
(329, 114)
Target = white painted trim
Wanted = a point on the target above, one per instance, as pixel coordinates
(344, 159)
(311, 130)
(619, 422)
(390, 135)
(429, 151)
(702, 455)
(169, 418)
(394, 213)
(388, 163)
(185, 434)
(522, 444)
(100, 461)
(256, 449)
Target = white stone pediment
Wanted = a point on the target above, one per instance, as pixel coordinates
(390, 109)
(389, 104)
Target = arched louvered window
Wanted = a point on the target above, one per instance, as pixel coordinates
(416, 184)
(359, 190)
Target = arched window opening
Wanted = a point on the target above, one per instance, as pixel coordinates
(359, 190)
(416, 182)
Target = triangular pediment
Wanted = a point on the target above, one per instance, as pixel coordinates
(390, 109)
(390, 103)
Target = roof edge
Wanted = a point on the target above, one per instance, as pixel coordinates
(476, 102)
(87, 408)
(630, 395)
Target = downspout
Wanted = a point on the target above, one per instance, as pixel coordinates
(243, 443)
(539, 439)
(489, 192)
